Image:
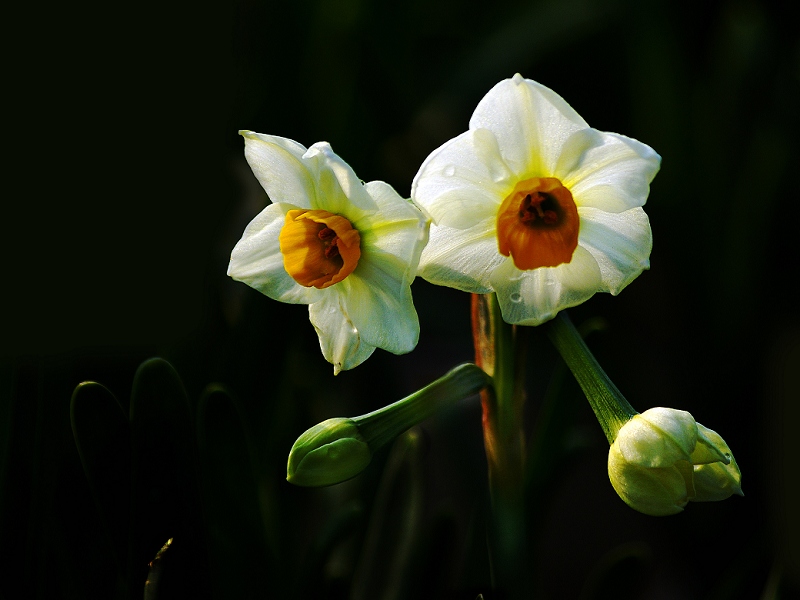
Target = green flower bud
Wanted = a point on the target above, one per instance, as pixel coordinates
(338, 449)
(662, 459)
(328, 453)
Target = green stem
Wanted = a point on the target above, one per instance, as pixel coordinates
(500, 351)
(384, 425)
(340, 448)
(609, 405)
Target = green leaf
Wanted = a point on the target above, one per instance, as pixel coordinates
(165, 489)
(102, 436)
(241, 559)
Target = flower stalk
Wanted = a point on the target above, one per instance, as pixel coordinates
(383, 425)
(609, 405)
(500, 351)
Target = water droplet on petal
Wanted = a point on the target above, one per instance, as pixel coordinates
(515, 298)
(498, 171)
(449, 170)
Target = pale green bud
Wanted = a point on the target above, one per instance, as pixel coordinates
(716, 480)
(662, 459)
(328, 453)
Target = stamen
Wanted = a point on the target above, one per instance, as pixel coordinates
(332, 249)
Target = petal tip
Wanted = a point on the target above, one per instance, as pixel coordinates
(323, 148)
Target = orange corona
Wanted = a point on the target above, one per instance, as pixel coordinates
(538, 224)
(319, 248)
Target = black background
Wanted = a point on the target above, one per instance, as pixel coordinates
(127, 189)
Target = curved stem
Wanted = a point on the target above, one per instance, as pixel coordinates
(384, 425)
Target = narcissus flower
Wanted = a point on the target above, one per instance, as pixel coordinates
(347, 249)
(662, 459)
(535, 205)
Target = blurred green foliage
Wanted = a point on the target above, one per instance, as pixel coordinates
(135, 191)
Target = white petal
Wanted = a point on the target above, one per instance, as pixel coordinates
(463, 259)
(391, 204)
(339, 191)
(531, 123)
(257, 260)
(535, 296)
(339, 339)
(380, 307)
(395, 234)
(620, 243)
(277, 164)
(464, 180)
(608, 171)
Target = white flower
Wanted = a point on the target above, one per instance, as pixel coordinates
(347, 249)
(535, 205)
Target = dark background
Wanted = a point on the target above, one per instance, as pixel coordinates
(128, 189)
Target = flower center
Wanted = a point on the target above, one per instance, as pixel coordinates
(538, 223)
(318, 247)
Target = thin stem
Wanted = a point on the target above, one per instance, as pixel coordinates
(382, 426)
(609, 405)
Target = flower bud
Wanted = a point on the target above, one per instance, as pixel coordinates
(338, 449)
(328, 453)
(662, 459)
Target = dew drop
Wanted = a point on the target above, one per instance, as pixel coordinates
(515, 298)
(449, 170)
(498, 172)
